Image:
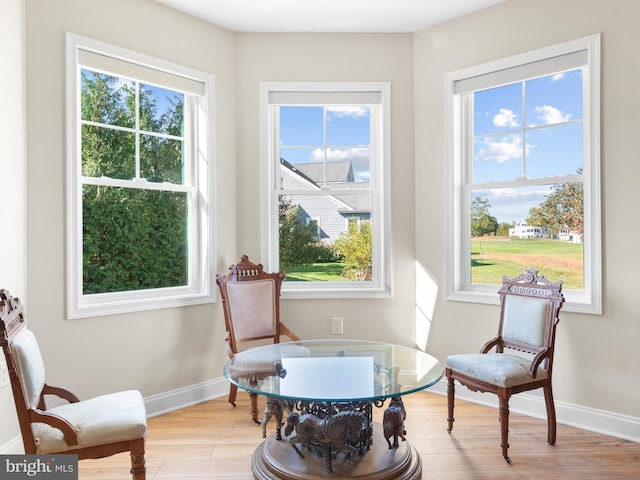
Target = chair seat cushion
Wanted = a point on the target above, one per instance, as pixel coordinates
(263, 360)
(105, 419)
(501, 369)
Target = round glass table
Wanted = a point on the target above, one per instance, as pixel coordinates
(329, 389)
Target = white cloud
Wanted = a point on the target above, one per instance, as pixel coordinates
(505, 118)
(501, 150)
(335, 154)
(549, 115)
(558, 76)
(359, 159)
(349, 111)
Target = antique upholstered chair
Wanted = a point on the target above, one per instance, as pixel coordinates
(520, 358)
(95, 428)
(251, 304)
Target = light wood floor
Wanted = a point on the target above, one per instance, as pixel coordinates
(215, 441)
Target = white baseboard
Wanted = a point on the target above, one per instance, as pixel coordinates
(12, 447)
(186, 396)
(585, 418)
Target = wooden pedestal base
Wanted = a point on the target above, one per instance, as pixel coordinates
(277, 460)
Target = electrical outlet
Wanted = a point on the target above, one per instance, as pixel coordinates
(4, 374)
(336, 325)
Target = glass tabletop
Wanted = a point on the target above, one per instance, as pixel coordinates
(333, 370)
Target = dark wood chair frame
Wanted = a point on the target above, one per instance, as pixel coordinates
(12, 321)
(246, 271)
(528, 284)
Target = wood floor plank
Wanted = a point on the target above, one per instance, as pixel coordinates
(214, 441)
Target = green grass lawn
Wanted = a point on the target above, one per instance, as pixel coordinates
(493, 257)
(318, 272)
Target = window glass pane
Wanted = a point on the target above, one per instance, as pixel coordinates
(497, 109)
(301, 126)
(513, 229)
(554, 151)
(107, 99)
(554, 99)
(161, 159)
(325, 237)
(498, 158)
(108, 152)
(161, 110)
(348, 125)
(133, 239)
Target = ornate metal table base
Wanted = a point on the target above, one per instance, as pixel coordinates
(276, 460)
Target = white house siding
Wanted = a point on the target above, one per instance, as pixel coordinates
(331, 212)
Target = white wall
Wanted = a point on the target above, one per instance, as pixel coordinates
(13, 234)
(156, 351)
(597, 357)
(334, 57)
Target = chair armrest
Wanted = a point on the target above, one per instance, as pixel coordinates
(60, 393)
(537, 360)
(495, 342)
(284, 330)
(55, 421)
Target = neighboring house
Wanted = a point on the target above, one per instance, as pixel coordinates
(522, 230)
(569, 235)
(331, 213)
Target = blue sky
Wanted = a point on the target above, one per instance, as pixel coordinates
(530, 130)
(347, 136)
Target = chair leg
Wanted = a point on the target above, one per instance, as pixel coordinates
(138, 468)
(451, 395)
(233, 392)
(504, 426)
(254, 407)
(551, 415)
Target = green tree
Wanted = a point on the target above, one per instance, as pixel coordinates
(482, 223)
(133, 239)
(503, 229)
(355, 246)
(298, 241)
(563, 208)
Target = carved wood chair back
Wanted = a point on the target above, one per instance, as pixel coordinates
(251, 306)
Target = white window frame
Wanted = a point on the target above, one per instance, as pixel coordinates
(199, 113)
(380, 286)
(458, 287)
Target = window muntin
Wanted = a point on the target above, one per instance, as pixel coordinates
(139, 181)
(526, 131)
(326, 150)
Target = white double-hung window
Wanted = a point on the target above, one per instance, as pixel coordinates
(139, 174)
(325, 157)
(524, 173)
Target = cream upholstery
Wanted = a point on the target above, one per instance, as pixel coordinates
(525, 319)
(252, 306)
(499, 369)
(264, 360)
(30, 365)
(115, 417)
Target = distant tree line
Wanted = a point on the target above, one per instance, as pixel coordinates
(562, 208)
